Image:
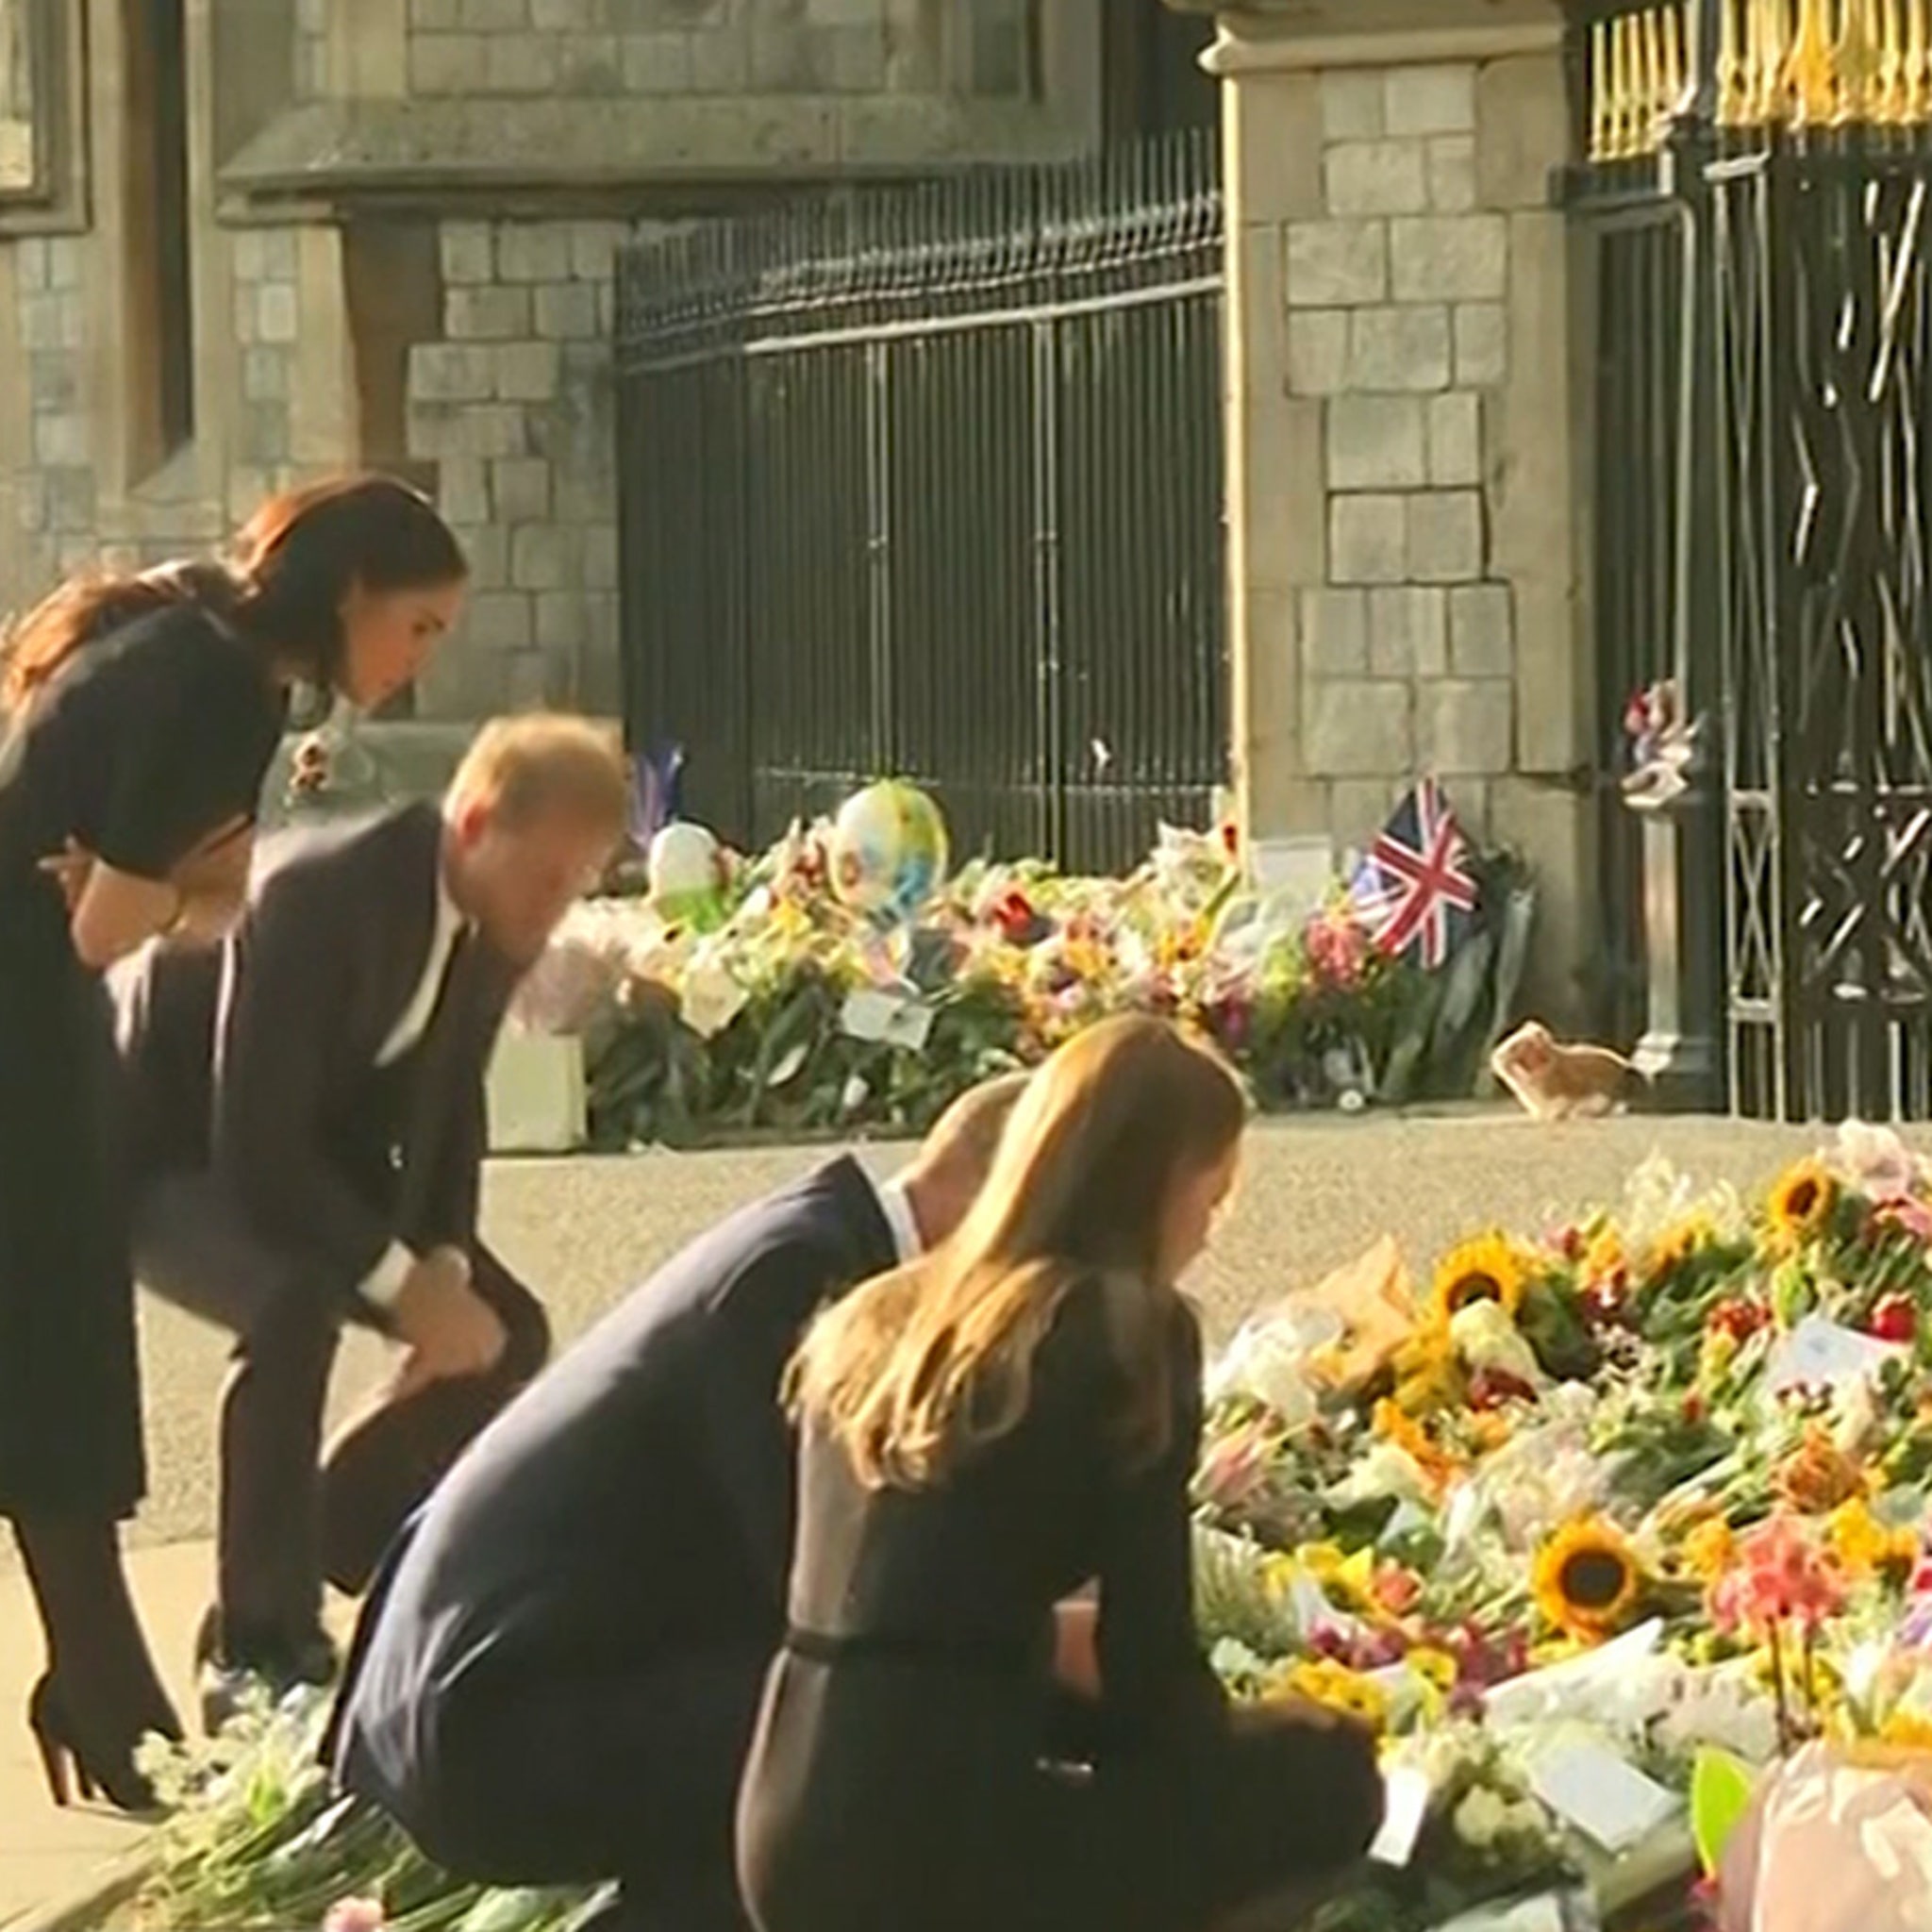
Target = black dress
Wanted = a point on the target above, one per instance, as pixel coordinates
(142, 743)
(906, 1769)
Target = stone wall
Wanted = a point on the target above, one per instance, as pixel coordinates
(1406, 581)
(457, 330)
(515, 409)
(716, 46)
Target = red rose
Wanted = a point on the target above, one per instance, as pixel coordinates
(1895, 1319)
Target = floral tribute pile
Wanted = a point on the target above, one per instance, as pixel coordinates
(766, 1003)
(1596, 1528)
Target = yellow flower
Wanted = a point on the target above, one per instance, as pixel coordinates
(1587, 1581)
(1324, 1681)
(1390, 1421)
(1428, 1376)
(1868, 1547)
(1909, 1730)
(1604, 1260)
(1485, 1270)
(1802, 1201)
(1680, 1243)
(1345, 1580)
(1707, 1550)
(1435, 1667)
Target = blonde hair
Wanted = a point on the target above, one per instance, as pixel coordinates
(918, 1369)
(543, 762)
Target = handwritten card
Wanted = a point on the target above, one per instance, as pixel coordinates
(1822, 1354)
(1603, 1795)
(886, 1019)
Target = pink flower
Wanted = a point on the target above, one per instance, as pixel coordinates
(1233, 1467)
(354, 1915)
(1777, 1576)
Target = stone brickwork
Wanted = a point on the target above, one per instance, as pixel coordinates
(515, 409)
(335, 324)
(683, 47)
(1406, 584)
(1396, 295)
(268, 327)
(55, 501)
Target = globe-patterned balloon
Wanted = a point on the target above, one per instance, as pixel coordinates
(889, 850)
(686, 871)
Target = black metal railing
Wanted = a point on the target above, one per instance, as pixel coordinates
(1788, 144)
(928, 481)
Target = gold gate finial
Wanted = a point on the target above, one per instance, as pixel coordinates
(1765, 61)
(1861, 68)
(1733, 74)
(1811, 71)
(1915, 100)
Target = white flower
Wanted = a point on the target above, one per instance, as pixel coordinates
(711, 998)
(1876, 1161)
(1486, 1337)
(1384, 1472)
(1481, 1818)
(684, 863)
(1271, 1360)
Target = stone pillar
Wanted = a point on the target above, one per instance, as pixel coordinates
(1405, 576)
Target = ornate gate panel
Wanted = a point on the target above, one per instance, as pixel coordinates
(1791, 145)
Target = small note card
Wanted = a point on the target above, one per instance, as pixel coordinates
(1603, 1795)
(886, 1019)
(1405, 1805)
(1821, 1353)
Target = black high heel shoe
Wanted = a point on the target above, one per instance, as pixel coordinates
(95, 1773)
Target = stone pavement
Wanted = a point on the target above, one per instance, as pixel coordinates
(1316, 1193)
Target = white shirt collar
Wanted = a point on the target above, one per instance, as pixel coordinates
(895, 1204)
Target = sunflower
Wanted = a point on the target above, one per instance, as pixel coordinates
(1802, 1201)
(1587, 1581)
(1485, 1270)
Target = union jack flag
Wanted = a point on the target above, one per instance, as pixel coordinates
(1414, 891)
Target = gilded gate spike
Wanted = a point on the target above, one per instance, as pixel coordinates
(1916, 106)
(1733, 73)
(1858, 64)
(1676, 71)
(1888, 109)
(1765, 60)
(1650, 85)
(1601, 119)
(1811, 72)
(1621, 69)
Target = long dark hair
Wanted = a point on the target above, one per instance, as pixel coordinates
(281, 585)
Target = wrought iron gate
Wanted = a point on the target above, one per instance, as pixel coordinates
(928, 481)
(1785, 144)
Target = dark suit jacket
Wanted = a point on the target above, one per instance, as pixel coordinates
(635, 1502)
(258, 1057)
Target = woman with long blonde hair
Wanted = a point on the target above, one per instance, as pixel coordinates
(984, 1432)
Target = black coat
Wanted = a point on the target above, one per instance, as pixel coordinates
(634, 1504)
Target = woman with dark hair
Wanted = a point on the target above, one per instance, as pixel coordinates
(143, 714)
(987, 1430)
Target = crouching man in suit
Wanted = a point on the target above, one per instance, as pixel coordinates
(556, 1677)
(308, 1103)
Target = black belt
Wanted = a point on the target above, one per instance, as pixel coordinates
(1007, 1657)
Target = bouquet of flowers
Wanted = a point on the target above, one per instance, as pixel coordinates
(766, 1002)
(1608, 1532)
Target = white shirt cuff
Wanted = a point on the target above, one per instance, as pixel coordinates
(386, 1280)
